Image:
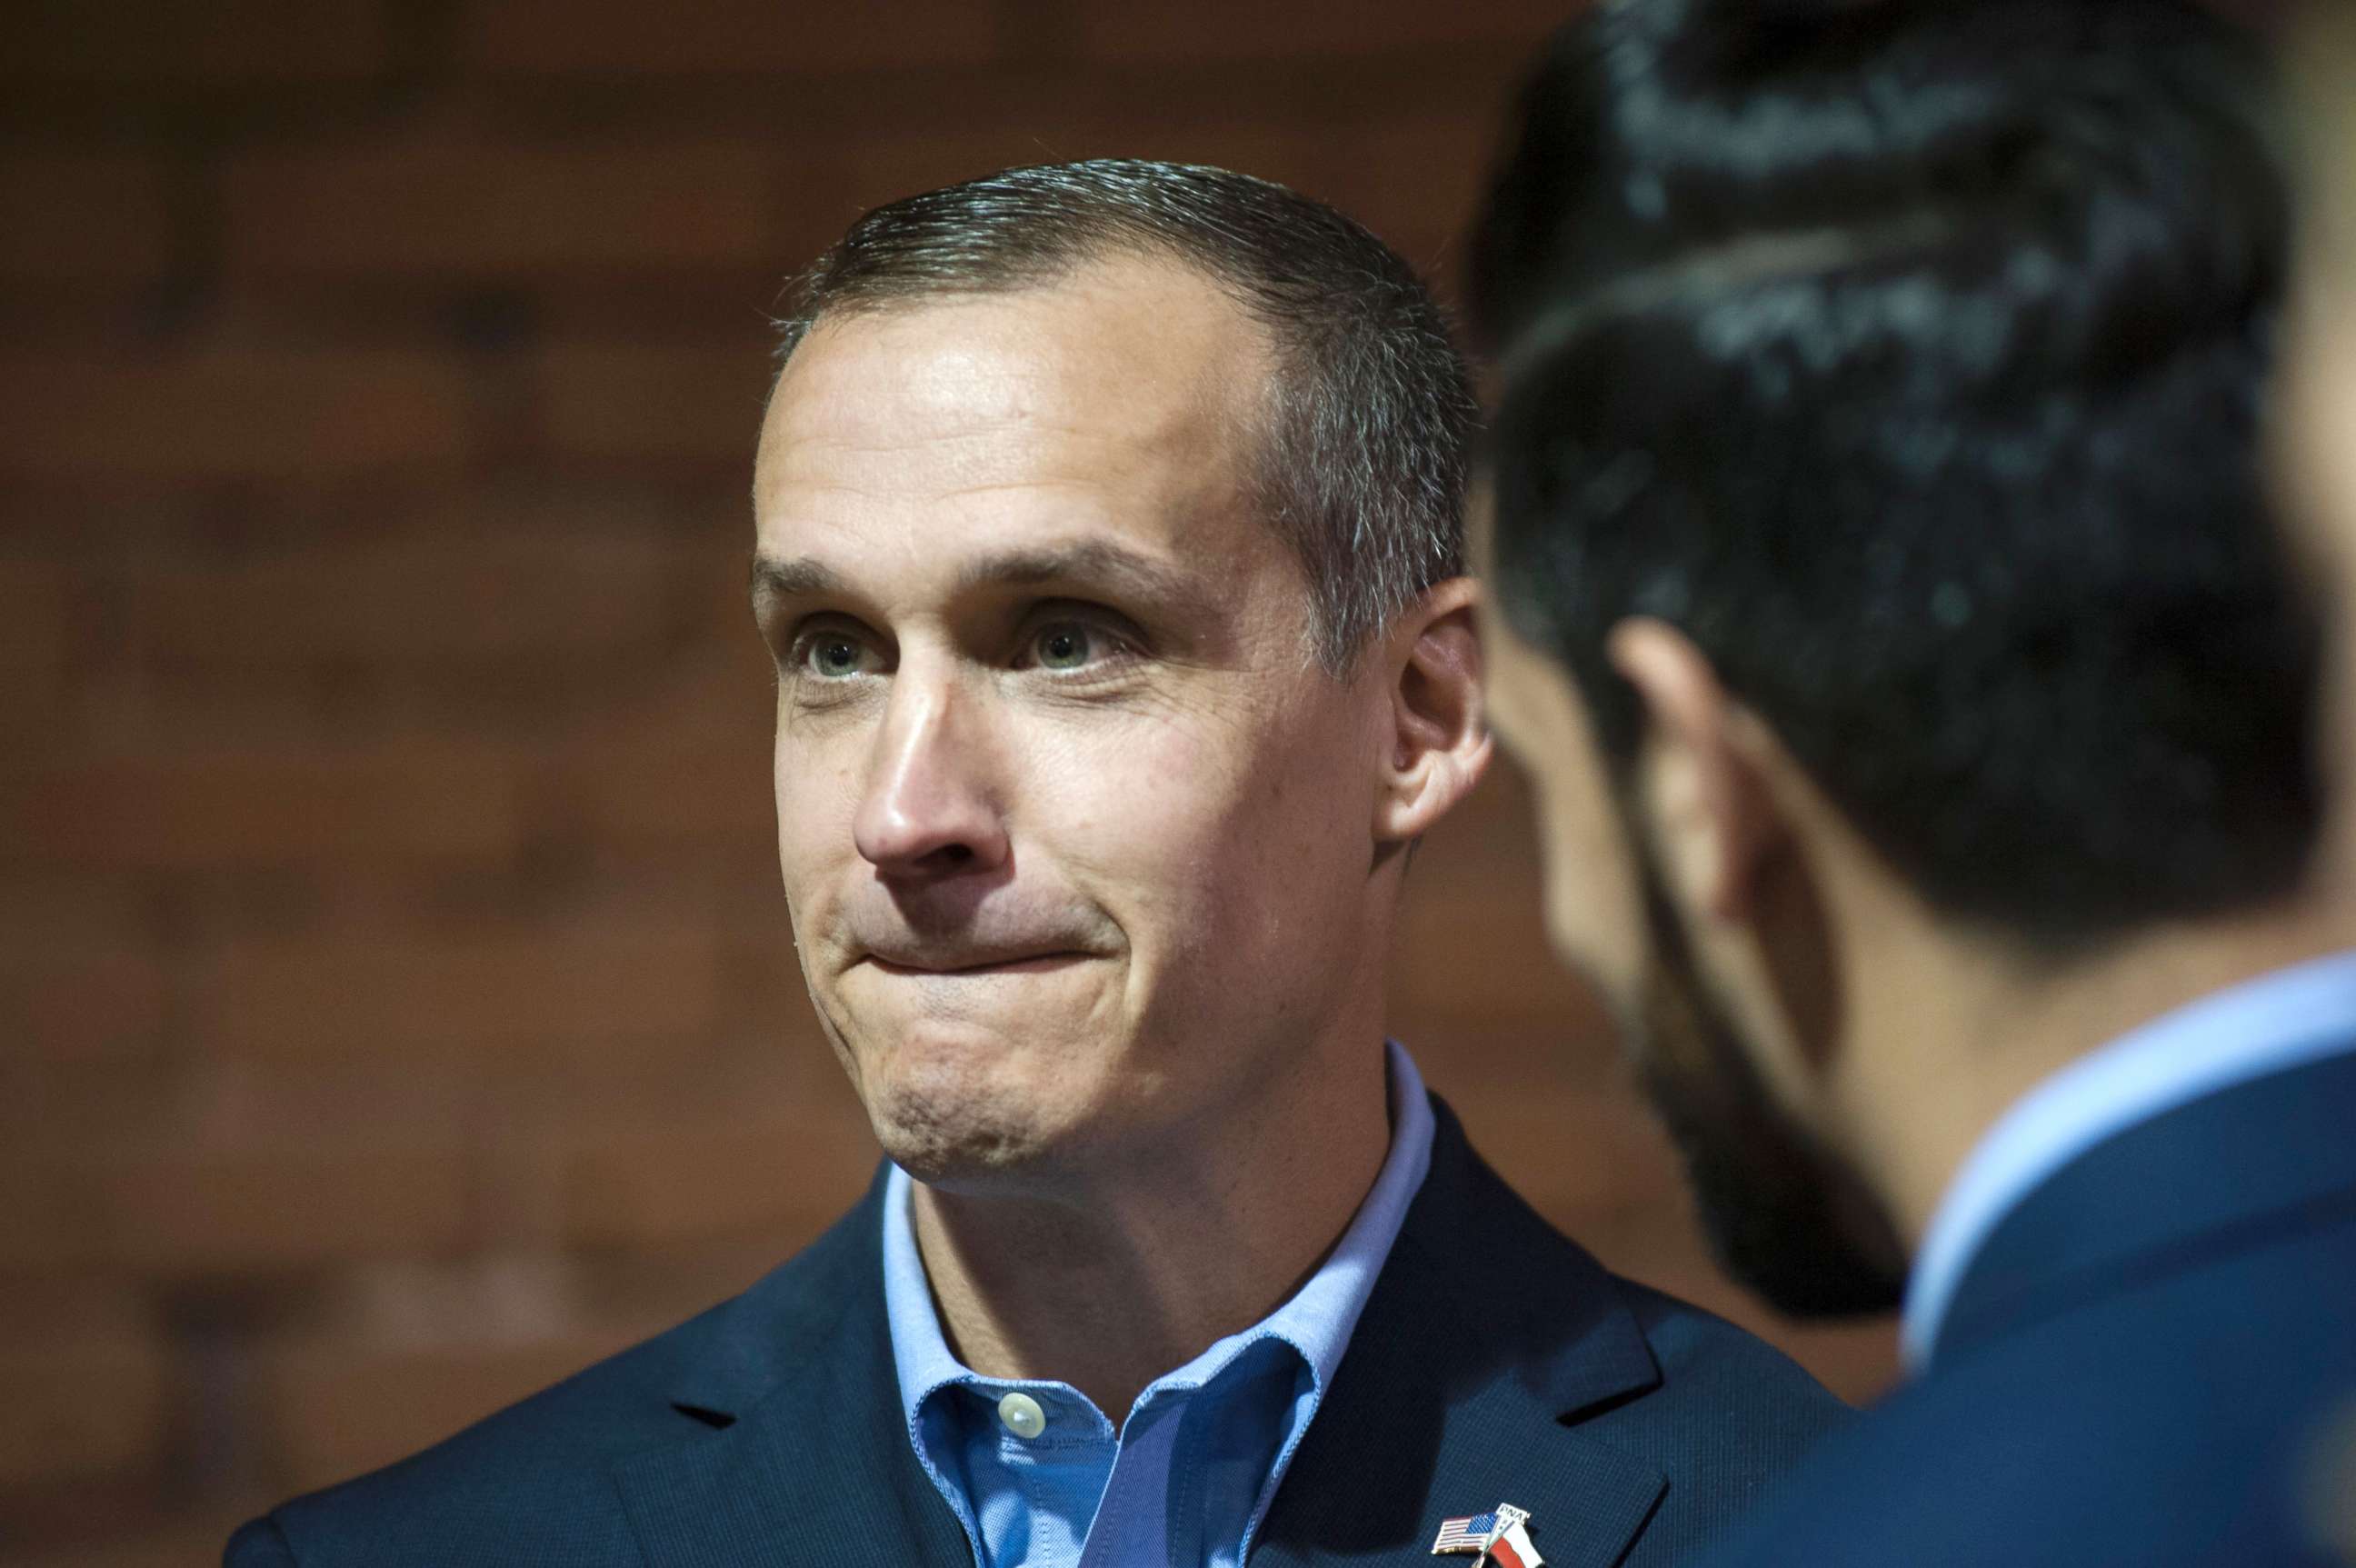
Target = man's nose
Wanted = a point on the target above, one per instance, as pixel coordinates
(928, 807)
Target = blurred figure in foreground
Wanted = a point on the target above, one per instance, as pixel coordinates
(2318, 432)
(1923, 710)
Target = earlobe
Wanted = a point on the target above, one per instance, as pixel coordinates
(1713, 811)
(1440, 742)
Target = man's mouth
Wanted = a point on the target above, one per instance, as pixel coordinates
(961, 966)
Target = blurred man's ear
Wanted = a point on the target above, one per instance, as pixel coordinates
(1439, 743)
(1705, 782)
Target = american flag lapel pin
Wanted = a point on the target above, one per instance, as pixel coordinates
(1500, 1536)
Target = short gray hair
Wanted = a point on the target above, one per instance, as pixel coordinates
(1362, 466)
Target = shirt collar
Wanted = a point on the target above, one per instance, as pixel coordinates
(2271, 1024)
(1317, 1320)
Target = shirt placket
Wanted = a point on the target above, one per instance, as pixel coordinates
(1058, 1471)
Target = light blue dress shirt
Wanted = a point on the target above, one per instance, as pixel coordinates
(2272, 1024)
(1187, 1479)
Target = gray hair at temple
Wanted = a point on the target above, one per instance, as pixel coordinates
(1369, 418)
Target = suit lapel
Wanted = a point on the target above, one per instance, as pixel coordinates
(793, 1447)
(1487, 1337)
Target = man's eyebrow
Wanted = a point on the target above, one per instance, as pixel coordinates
(799, 578)
(1084, 562)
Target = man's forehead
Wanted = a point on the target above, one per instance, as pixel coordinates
(1108, 397)
(1125, 347)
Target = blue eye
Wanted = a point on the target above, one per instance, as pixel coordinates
(835, 656)
(1066, 645)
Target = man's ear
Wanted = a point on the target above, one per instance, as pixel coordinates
(1437, 738)
(1705, 780)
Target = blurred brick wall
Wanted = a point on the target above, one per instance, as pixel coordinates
(397, 1000)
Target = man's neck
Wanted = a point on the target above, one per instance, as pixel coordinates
(1926, 1083)
(1107, 1283)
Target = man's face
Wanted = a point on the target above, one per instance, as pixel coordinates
(1785, 1216)
(1075, 832)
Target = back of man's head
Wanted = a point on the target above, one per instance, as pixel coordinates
(1908, 357)
(1366, 425)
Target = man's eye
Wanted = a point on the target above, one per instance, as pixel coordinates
(1066, 645)
(835, 656)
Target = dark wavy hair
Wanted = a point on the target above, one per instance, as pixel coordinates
(1909, 356)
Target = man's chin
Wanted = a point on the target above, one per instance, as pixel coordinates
(968, 1097)
(956, 1125)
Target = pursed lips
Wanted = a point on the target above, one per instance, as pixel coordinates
(940, 966)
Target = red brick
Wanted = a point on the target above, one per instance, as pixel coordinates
(713, 790)
(227, 42)
(468, 998)
(728, 306)
(614, 38)
(1577, 1156)
(663, 1285)
(194, 1537)
(337, 1407)
(1241, 29)
(85, 1386)
(658, 401)
(1483, 958)
(396, 802)
(226, 413)
(82, 216)
(501, 596)
(407, 1353)
(35, 1233)
(824, 187)
(76, 908)
(767, 1161)
(1412, 181)
(449, 206)
(35, 633)
(80, 1006)
(1540, 1055)
(284, 1197)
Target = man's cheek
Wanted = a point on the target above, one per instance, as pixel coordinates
(1131, 790)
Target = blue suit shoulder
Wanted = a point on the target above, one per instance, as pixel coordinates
(2145, 1361)
(1730, 1418)
(2166, 1425)
(1705, 1360)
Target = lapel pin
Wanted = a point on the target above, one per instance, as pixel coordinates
(1498, 1536)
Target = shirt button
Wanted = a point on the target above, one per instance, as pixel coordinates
(1022, 1415)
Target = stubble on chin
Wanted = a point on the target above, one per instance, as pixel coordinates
(935, 1111)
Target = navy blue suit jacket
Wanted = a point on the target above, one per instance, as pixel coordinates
(2139, 1367)
(1494, 1362)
